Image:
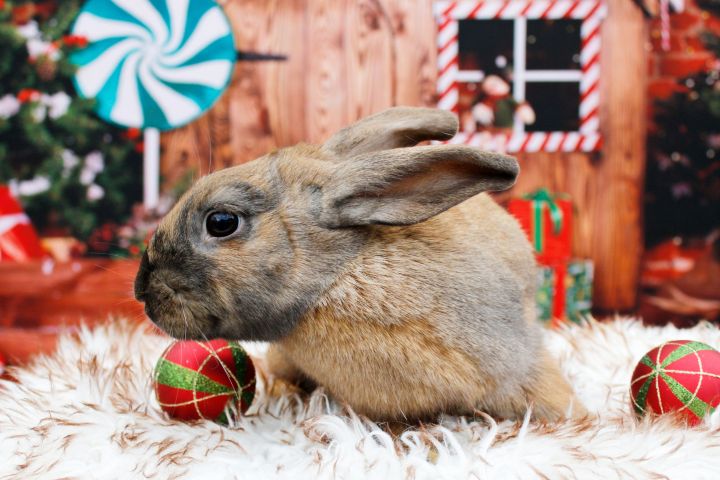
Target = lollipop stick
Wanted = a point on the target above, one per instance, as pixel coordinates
(151, 168)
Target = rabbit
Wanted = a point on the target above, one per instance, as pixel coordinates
(376, 268)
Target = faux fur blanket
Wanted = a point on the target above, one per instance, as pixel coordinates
(89, 411)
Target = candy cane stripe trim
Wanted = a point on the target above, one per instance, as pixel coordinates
(451, 87)
(594, 10)
(547, 10)
(592, 89)
(589, 115)
(445, 23)
(591, 62)
(502, 9)
(449, 9)
(526, 9)
(475, 10)
(532, 141)
(449, 43)
(589, 37)
(544, 143)
(572, 9)
(447, 67)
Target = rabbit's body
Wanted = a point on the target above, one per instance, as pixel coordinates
(377, 269)
(384, 336)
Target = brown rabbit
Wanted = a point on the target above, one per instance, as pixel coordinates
(377, 268)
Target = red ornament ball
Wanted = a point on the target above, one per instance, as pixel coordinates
(681, 376)
(195, 380)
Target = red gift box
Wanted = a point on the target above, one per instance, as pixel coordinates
(18, 240)
(559, 300)
(547, 221)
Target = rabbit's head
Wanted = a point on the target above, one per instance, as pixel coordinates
(248, 250)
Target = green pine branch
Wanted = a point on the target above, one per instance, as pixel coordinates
(30, 148)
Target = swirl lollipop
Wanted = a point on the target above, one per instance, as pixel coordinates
(153, 64)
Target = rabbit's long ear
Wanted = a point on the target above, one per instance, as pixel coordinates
(409, 185)
(392, 128)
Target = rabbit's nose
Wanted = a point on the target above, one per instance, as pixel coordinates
(141, 279)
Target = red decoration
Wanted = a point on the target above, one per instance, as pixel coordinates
(559, 297)
(2, 364)
(195, 380)
(18, 240)
(669, 260)
(680, 376)
(22, 14)
(28, 95)
(78, 41)
(132, 133)
(547, 221)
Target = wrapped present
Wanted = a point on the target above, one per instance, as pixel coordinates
(578, 289)
(545, 293)
(547, 220)
(564, 291)
(18, 240)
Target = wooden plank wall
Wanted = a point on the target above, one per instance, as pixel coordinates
(350, 58)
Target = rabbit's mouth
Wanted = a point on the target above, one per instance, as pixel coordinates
(181, 315)
(176, 318)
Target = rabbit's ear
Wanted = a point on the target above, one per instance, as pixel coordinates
(409, 185)
(392, 128)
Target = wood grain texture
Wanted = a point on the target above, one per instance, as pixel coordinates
(351, 58)
(326, 73)
(415, 62)
(617, 214)
(370, 56)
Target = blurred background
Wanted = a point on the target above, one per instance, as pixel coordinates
(110, 110)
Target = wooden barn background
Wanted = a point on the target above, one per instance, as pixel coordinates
(350, 58)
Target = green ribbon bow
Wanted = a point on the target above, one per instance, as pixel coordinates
(540, 198)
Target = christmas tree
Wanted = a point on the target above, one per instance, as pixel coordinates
(683, 169)
(71, 171)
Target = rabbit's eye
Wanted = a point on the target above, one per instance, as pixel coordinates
(222, 224)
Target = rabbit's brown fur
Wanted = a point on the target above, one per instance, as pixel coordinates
(379, 271)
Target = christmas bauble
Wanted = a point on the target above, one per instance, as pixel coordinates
(681, 376)
(195, 380)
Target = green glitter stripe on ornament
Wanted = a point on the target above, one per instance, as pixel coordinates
(223, 418)
(641, 400)
(647, 361)
(177, 376)
(247, 395)
(688, 398)
(240, 358)
(685, 350)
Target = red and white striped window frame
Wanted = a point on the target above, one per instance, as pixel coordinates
(591, 12)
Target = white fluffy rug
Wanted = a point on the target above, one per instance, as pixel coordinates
(89, 412)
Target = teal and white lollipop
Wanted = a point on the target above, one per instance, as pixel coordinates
(154, 65)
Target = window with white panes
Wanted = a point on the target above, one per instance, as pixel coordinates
(521, 75)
